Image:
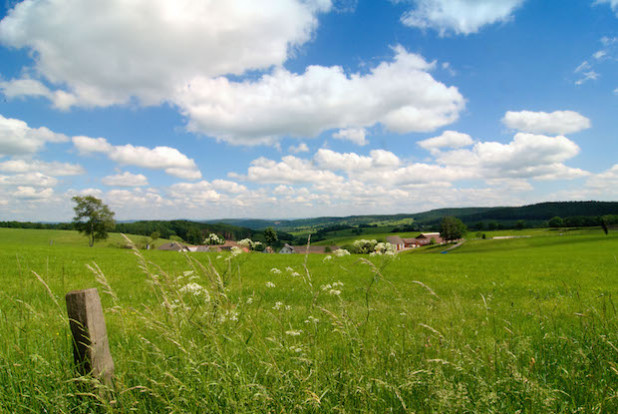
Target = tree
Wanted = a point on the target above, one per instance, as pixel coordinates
(520, 225)
(93, 218)
(555, 222)
(451, 228)
(270, 235)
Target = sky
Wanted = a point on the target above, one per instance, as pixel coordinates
(303, 108)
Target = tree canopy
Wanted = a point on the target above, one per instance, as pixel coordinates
(451, 228)
(93, 218)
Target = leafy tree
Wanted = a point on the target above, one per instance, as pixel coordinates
(520, 225)
(451, 228)
(556, 222)
(93, 218)
(194, 236)
(270, 235)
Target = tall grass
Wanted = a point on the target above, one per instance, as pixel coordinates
(521, 332)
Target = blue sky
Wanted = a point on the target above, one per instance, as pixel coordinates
(299, 108)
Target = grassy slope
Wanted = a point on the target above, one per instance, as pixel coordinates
(522, 324)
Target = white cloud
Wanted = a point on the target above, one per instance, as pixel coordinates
(31, 193)
(32, 179)
(302, 147)
(459, 16)
(355, 135)
(527, 156)
(291, 170)
(401, 95)
(55, 169)
(557, 122)
(448, 139)
(336, 161)
(227, 186)
(126, 179)
(605, 181)
(586, 76)
(170, 160)
(17, 138)
(115, 50)
(26, 87)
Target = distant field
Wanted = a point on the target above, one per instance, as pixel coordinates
(526, 325)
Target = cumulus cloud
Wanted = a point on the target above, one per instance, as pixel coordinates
(116, 50)
(335, 161)
(606, 180)
(54, 168)
(290, 170)
(355, 135)
(401, 95)
(125, 179)
(170, 160)
(459, 16)
(27, 87)
(527, 156)
(17, 138)
(557, 122)
(228, 186)
(448, 139)
(297, 149)
(32, 179)
(31, 193)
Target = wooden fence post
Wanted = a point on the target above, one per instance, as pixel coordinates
(90, 343)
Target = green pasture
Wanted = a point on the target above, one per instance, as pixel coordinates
(518, 325)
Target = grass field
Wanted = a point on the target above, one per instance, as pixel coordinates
(520, 325)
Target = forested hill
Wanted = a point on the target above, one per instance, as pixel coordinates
(534, 214)
(579, 213)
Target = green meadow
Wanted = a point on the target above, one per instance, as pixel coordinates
(515, 325)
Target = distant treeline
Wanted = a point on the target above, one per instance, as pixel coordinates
(189, 231)
(31, 225)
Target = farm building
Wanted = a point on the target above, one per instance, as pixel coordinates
(410, 243)
(425, 238)
(396, 242)
(287, 249)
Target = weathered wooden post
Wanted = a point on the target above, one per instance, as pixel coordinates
(90, 343)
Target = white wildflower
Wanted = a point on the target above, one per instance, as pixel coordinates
(275, 271)
(236, 251)
(327, 258)
(334, 292)
(338, 284)
(193, 288)
(270, 285)
(292, 332)
(311, 319)
(278, 305)
(188, 273)
(249, 300)
(326, 287)
(341, 252)
(295, 274)
(289, 269)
